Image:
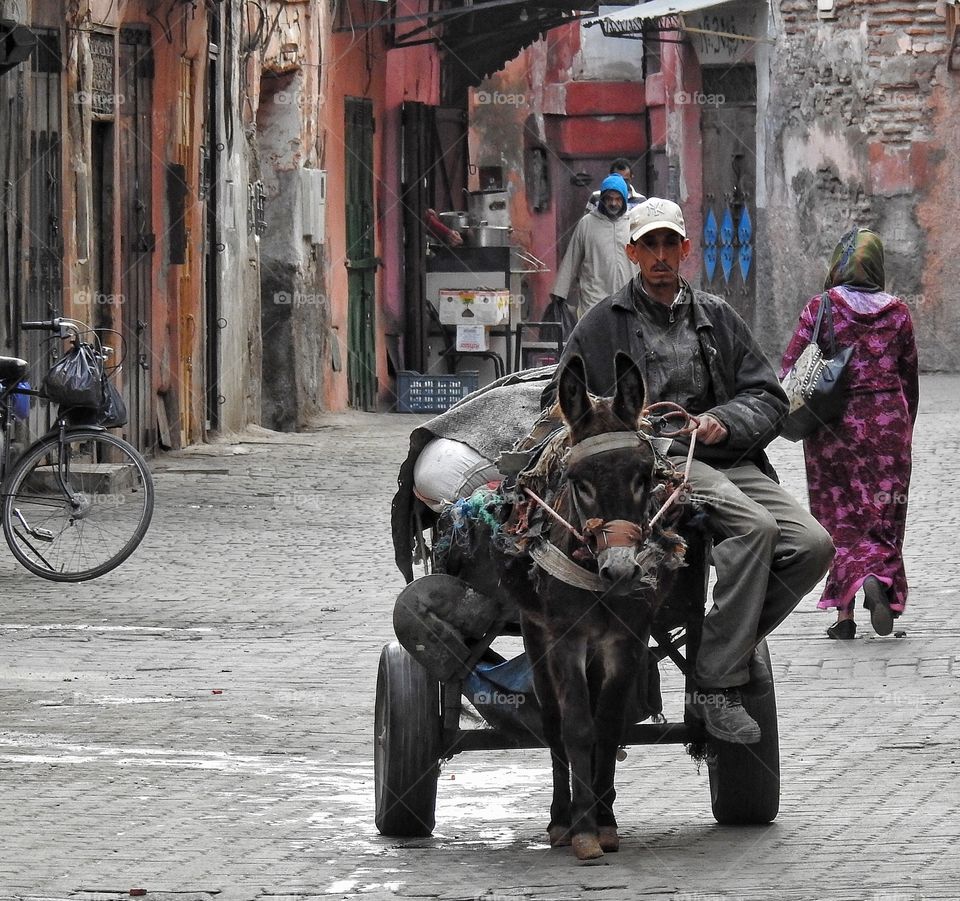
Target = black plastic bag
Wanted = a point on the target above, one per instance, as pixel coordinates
(559, 311)
(76, 379)
(113, 411)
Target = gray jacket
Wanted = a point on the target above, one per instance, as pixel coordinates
(596, 259)
(748, 398)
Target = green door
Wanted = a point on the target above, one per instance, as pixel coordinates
(361, 261)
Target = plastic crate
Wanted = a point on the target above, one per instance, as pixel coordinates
(418, 393)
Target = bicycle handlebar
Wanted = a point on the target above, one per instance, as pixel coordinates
(61, 326)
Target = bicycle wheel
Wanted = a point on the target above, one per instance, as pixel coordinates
(74, 511)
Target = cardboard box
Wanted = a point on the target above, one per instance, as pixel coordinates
(478, 307)
(472, 337)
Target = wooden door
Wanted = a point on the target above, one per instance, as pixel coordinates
(181, 211)
(729, 126)
(449, 158)
(361, 259)
(43, 298)
(137, 239)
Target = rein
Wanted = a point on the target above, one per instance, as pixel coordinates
(683, 486)
(615, 533)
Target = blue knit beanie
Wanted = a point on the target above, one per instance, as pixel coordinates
(614, 183)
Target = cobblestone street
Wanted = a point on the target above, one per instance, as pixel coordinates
(199, 722)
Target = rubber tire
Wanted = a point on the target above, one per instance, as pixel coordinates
(34, 454)
(745, 779)
(407, 735)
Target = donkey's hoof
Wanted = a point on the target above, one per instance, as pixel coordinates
(559, 836)
(609, 838)
(586, 846)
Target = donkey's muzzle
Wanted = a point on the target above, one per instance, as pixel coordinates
(618, 568)
(615, 544)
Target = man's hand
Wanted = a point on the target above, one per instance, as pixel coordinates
(711, 430)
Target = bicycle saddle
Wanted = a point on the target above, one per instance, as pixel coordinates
(12, 369)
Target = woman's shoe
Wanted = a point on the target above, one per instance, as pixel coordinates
(843, 629)
(876, 601)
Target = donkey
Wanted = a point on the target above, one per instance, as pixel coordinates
(587, 646)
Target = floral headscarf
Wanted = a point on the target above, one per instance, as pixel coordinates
(857, 261)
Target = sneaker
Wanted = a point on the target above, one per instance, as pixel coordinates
(721, 710)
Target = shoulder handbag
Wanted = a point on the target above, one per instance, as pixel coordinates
(815, 383)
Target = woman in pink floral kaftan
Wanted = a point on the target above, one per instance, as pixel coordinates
(858, 469)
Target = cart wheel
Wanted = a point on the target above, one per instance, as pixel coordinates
(745, 779)
(407, 731)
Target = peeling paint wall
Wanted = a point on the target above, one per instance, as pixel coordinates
(295, 311)
(862, 129)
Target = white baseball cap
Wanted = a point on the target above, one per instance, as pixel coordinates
(655, 212)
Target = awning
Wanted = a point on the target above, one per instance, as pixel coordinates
(634, 19)
(489, 34)
(478, 36)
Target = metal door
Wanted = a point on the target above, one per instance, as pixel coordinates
(361, 261)
(729, 124)
(137, 239)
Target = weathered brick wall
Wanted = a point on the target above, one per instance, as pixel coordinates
(861, 128)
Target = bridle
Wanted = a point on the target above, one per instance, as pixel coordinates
(598, 535)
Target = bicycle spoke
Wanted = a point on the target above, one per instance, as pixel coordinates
(83, 506)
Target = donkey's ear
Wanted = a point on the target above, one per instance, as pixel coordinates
(572, 394)
(628, 401)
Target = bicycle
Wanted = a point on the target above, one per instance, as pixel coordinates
(78, 501)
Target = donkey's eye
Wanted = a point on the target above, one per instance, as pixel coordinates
(637, 487)
(586, 492)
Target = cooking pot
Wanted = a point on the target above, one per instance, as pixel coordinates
(457, 219)
(488, 235)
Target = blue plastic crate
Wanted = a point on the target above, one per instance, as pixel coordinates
(417, 393)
